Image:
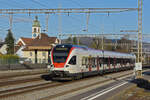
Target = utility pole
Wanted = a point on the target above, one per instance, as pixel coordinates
(87, 21)
(10, 21)
(59, 24)
(140, 4)
(47, 18)
(138, 66)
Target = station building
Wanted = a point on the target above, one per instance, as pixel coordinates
(36, 49)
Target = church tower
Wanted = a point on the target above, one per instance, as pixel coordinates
(36, 28)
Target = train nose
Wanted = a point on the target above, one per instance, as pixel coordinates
(59, 65)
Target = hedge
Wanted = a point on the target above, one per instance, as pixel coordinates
(9, 59)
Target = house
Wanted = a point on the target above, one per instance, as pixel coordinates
(3, 48)
(36, 49)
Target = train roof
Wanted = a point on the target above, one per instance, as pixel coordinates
(106, 53)
(70, 46)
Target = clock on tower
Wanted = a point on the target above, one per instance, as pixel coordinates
(34, 35)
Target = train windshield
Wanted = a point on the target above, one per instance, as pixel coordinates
(60, 53)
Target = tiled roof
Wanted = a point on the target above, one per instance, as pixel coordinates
(43, 40)
(27, 41)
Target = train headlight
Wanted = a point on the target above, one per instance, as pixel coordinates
(67, 66)
(52, 66)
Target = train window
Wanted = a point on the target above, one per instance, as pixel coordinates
(60, 53)
(100, 60)
(93, 66)
(105, 61)
(86, 66)
(117, 60)
(111, 60)
(93, 61)
(124, 61)
(73, 60)
(132, 61)
(121, 61)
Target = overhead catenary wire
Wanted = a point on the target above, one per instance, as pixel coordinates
(92, 25)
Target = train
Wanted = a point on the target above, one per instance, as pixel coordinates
(75, 62)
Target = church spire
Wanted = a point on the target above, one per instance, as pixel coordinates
(36, 28)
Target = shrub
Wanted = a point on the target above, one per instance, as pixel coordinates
(9, 59)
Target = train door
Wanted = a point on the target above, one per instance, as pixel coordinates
(97, 65)
(73, 64)
(90, 63)
(114, 64)
(83, 65)
(79, 63)
(94, 64)
(109, 63)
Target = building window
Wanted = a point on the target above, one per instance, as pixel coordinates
(30, 53)
(34, 30)
(44, 61)
(44, 54)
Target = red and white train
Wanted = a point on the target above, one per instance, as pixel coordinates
(75, 62)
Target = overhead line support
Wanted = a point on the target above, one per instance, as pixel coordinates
(66, 10)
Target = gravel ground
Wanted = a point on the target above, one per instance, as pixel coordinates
(139, 91)
(133, 93)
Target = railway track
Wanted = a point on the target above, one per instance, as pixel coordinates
(18, 91)
(51, 85)
(7, 75)
(17, 82)
(81, 88)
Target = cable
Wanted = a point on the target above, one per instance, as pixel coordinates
(94, 26)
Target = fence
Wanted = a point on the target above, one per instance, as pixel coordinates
(22, 61)
(12, 62)
(22, 66)
(9, 59)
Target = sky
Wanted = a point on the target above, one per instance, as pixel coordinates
(74, 23)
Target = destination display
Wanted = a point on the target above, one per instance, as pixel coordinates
(65, 49)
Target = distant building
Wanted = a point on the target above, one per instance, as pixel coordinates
(3, 48)
(21, 44)
(36, 49)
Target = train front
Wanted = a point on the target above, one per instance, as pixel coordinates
(60, 57)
